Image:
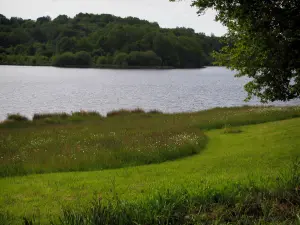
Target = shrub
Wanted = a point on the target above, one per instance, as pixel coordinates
(148, 58)
(16, 117)
(105, 60)
(137, 111)
(64, 60)
(83, 59)
(155, 111)
(101, 60)
(68, 59)
(50, 115)
(98, 52)
(86, 113)
(121, 59)
(123, 112)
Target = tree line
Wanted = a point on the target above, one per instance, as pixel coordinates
(89, 40)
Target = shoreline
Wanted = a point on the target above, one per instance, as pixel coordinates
(143, 111)
(135, 111)
(111, 67)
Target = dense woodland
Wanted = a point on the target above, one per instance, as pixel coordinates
(89, 40)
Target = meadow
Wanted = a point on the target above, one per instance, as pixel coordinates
(220, 166)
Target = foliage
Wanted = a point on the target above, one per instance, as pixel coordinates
(83, 59)
(120, 59)
(50, 115)
(262, 43)
(68, 59)
(102, 60)
(125, 112)
(148, 58)
(16, 117)
(64, 60)
(25, 60)
(86, 113)
(106, 38)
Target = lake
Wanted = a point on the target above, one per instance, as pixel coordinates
(29, 90)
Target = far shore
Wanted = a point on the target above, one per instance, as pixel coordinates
(109, 67)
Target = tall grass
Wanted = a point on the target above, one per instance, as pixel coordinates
(241, 116)
(57, 142)
(57, 150)
(255, 207)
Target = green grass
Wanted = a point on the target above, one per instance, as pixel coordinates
(233, 174)
(85, 141)
(92, 145)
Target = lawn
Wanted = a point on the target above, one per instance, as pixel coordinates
(256, 154)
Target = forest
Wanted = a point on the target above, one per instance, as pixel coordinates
(108, 41)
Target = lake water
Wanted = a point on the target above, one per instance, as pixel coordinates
(28, 90)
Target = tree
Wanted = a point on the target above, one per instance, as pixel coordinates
(262, 43)
(43, 19)
(121, 59)
(98, 52)
(103, 36)
(164, 46)
(4, 20)
(102, 60)
(64, 60)
(148, 58)
(84, 44)
(83, 59)
(61, 19)
(65, 44)
(38, 35)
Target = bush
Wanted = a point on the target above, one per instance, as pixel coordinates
(121, 59)
(98, 52)
(155, 111)
(50, 115)
(16, 117)
(68, 59)
(102, 60)
(83, 59)
(64, 60)
(123, 112)
(148, 58)
(86, 113)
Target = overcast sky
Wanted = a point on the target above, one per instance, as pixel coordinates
(162, 11)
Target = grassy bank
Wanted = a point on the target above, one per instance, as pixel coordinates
(86, 141)
(242, 176)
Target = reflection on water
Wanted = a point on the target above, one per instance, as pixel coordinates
(28, 90)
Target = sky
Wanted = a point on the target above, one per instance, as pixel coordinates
(167, 14)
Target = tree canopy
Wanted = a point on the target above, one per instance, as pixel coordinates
(102, 40)
(262, 43)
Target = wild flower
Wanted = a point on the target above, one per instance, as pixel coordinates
(112, 133)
